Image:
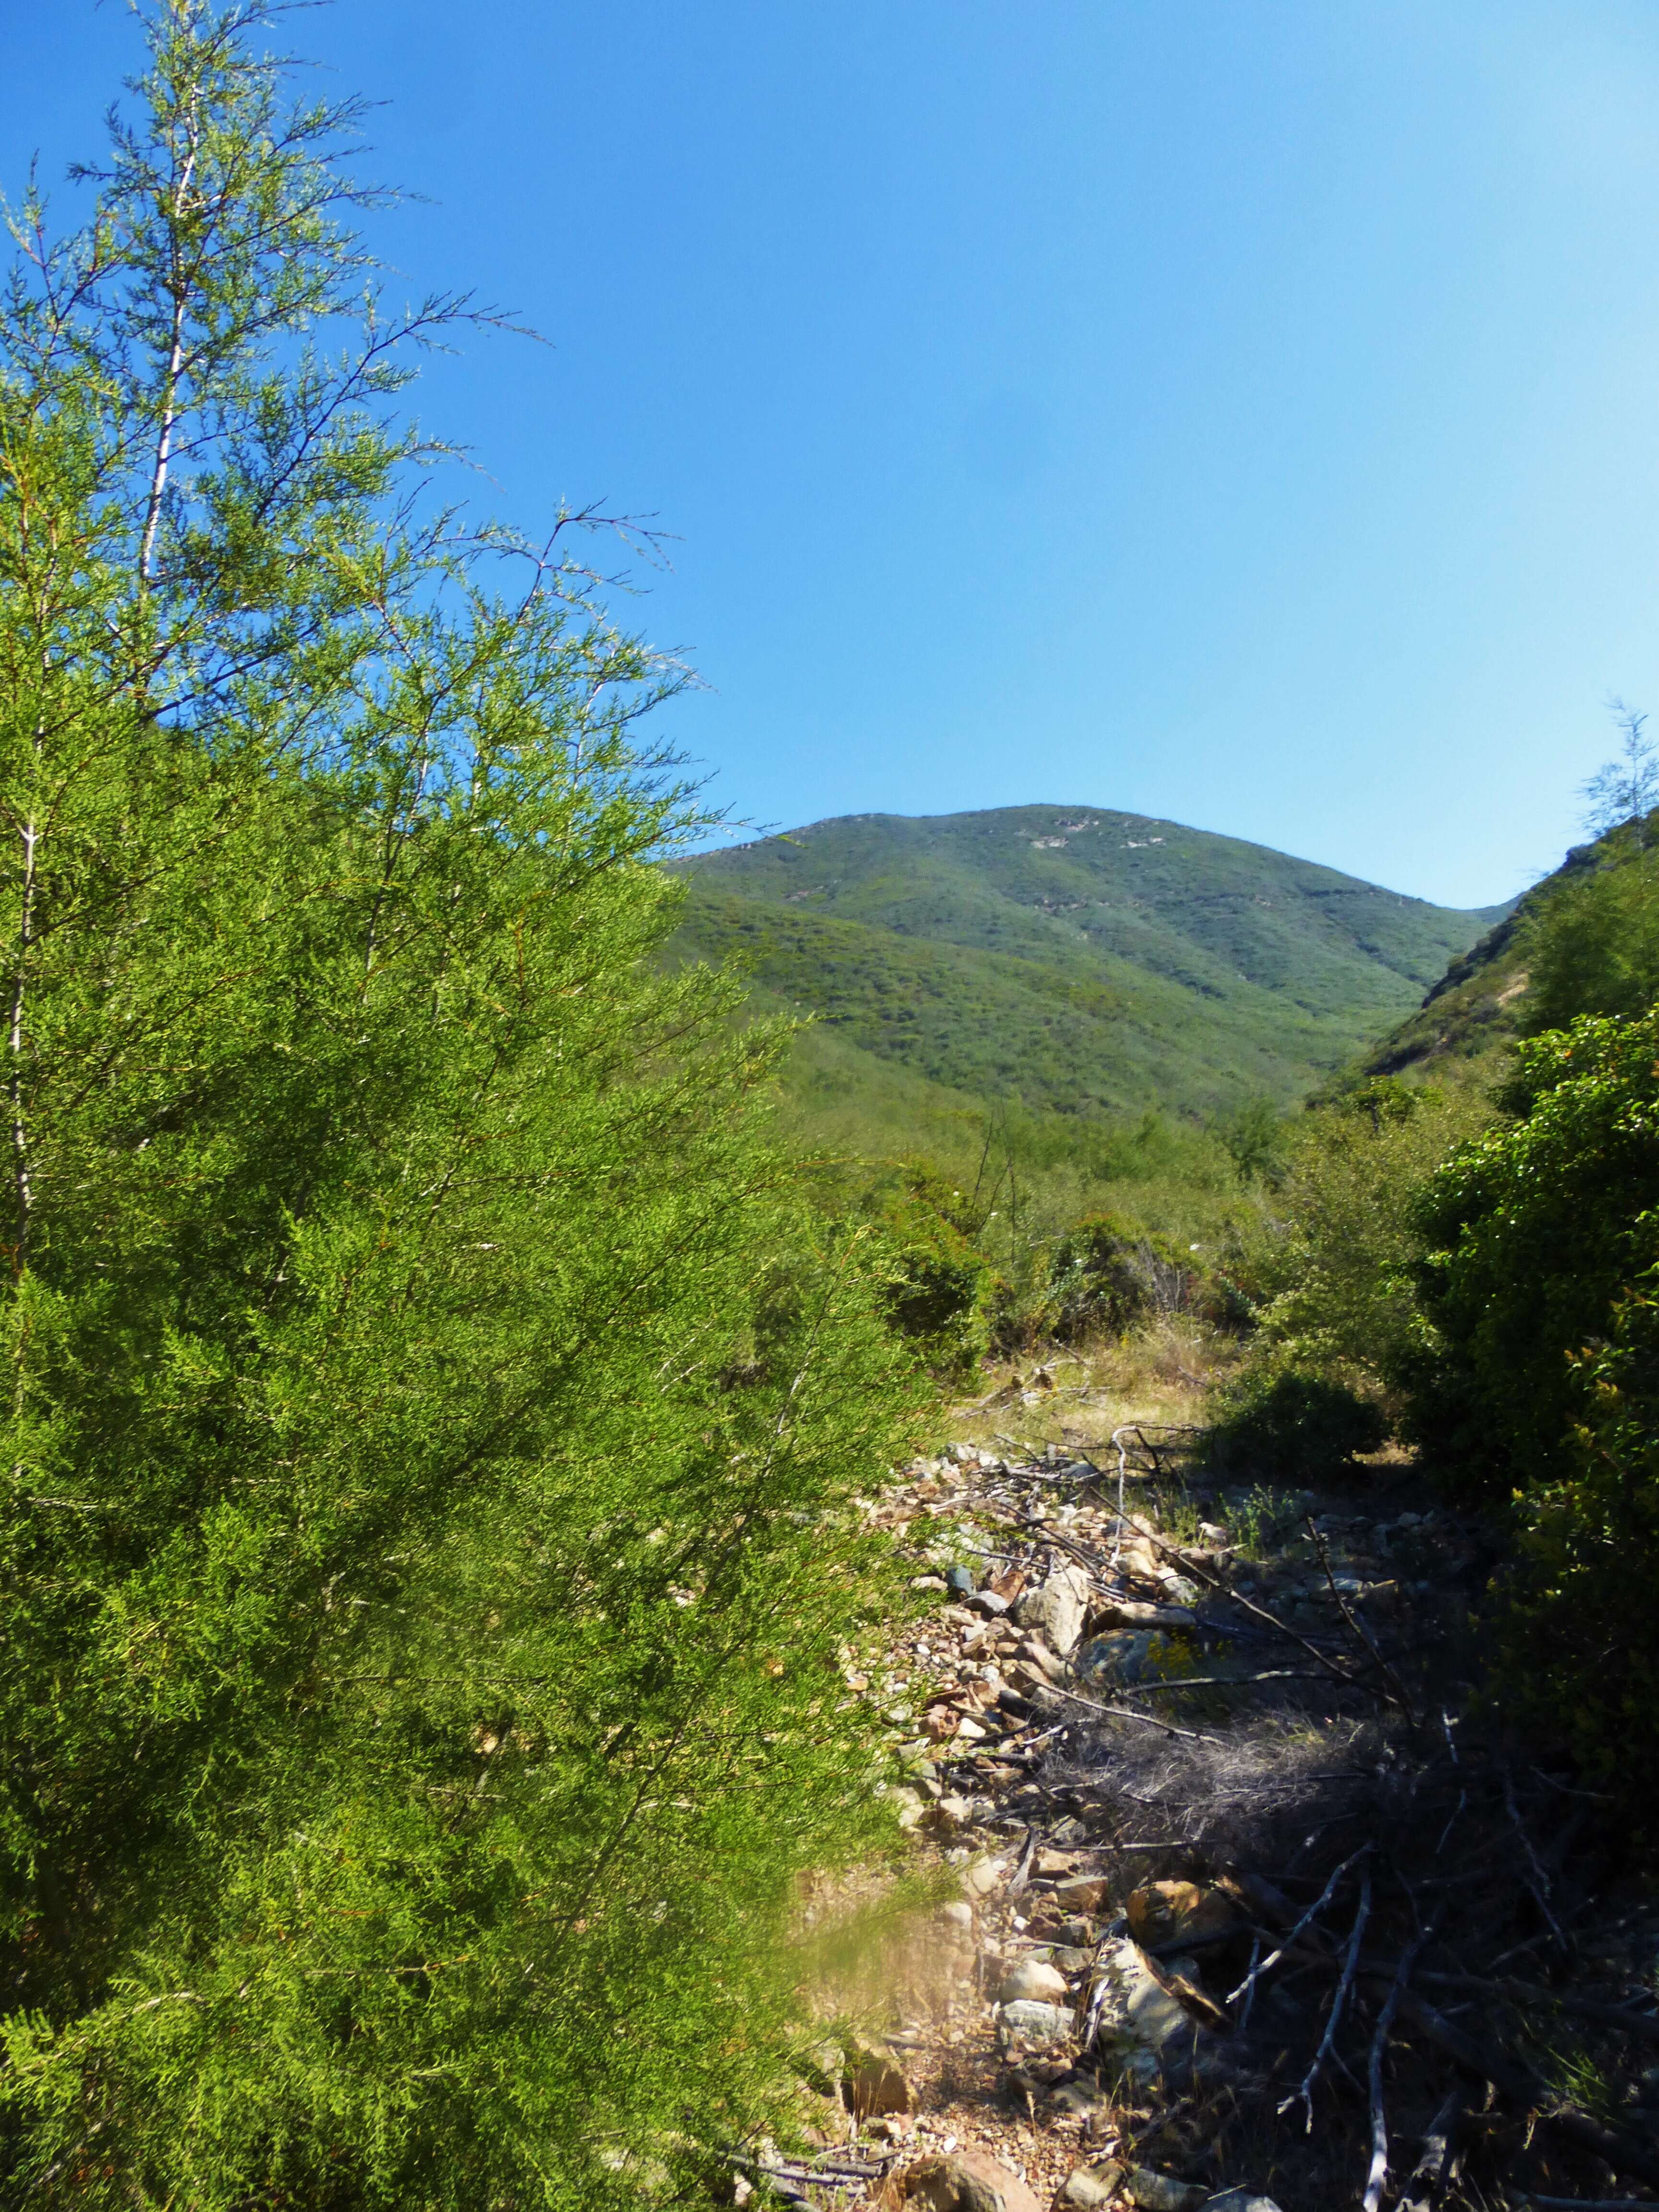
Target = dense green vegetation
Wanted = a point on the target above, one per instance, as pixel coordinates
(431, 1408)
(1476, 1258)
(1584, 940)
(1087, 962)
(1536, 1377)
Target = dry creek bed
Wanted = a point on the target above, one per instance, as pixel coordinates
(1252, 1915)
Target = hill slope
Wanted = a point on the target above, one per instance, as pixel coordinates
(1478, 1005)
(1092, 962)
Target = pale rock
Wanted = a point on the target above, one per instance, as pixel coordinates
(1238, 2200)
(1132, 1612)
(909, 1806)
(1139, 2010)
(958, 1915)
(1088, 2187)
(1033, 1977)
(1057, 1608)
(1159, 2192)
(1037, 1652)
(967, 2181)
(982, 1876)
(1165, 1912)
(1028, 2020)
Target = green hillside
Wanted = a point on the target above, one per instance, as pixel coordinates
(1488, 996)
(1089, 962)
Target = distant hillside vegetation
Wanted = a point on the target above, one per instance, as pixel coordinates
(1090, 962)
(1481, 1004)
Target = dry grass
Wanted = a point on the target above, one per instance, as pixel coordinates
(1073, 1399)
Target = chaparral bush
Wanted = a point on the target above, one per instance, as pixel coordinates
(431, 1414)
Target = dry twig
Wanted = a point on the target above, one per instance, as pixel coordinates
(1301, 1927)
(1378, 2173)
(1350, 1964)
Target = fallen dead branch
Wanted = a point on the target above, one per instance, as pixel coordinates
(1613, 2146)
(1300, 1928)
(1394, 1689)
(1147, 1720)
(1432, 2174)
(1303, 2095)
(1377, 2175)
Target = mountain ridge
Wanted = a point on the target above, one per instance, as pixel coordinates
(1085, 959)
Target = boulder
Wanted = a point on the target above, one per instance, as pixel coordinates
(967, 2181)
(1056, 1607)
(1161, 1913)
(1123, 1656)
(1088, 2187)
(1161, 2192)
(1027, 2020)
(1140, 2011)
(1033, 1977)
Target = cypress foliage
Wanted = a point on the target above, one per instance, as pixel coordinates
(424, 1541)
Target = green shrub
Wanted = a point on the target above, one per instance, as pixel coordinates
(1324, 1267)
(1578, 1635)
(1534, 1232)
(1591, 945)
(1294, 1426)
(939, 1290)
(432, 1425)
(1105, 1276)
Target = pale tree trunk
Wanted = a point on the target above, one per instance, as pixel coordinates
(30, 836)
(158, 482)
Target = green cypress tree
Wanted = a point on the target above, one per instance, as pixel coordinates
(427, 1533)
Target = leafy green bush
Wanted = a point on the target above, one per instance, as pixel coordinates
(1591, 946)
(1323, 1265)
(939, 1290)
(1105, 1276)
(1533, 1232)
(431, 1420)
(1296, 1427)
(1579, 1638)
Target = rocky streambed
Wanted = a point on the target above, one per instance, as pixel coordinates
(1251, 1912)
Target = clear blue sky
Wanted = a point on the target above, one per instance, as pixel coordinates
(1241, 410)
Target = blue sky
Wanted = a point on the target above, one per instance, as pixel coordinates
(1244, 413)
